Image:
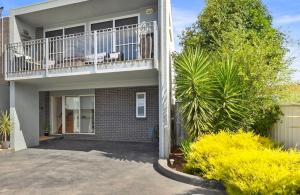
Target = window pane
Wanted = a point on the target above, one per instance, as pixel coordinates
(87, 114)
(72, 103)
(126, 37)
(140, 96)
(74, 47)
(141, 111)
(104, 37)
(140, 105)
(141, 102)
(102, 25)
(74, 30)
(105, 41)
(129, 51)
(54, 33)
(72, 114)
(126, 21)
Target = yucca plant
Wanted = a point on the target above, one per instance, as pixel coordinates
(5, 127)
(212, 96)
(230, 94)
(194, 90)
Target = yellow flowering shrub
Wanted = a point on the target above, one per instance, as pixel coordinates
(246, 163)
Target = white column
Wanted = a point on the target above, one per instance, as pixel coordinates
(24, 111)
(164, 81)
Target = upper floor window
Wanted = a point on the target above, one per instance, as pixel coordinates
(64, 31)
(126, 21)
(123, 40)
(74, 30)
(102, 25)
(54, 33)
(141, 105)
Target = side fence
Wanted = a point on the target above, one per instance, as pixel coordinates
(178, 129)
(287, 129)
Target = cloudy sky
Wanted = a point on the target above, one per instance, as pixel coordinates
(286, 15)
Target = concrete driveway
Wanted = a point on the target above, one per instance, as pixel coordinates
(87, 167)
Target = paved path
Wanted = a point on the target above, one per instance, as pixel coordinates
(87, 167)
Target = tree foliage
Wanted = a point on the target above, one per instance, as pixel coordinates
(243, 29)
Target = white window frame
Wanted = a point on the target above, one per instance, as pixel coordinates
(64, 27)
(136, 105)
(64, 114)
(63, 35)
(113, 19)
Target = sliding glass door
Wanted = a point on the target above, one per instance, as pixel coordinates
(73, 115)
(87, 111)
(123, 39)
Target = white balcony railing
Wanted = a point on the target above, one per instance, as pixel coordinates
(127, 44)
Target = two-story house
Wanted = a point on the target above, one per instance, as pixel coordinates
(91, 69)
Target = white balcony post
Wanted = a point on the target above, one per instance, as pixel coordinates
(47, 55)
(95, 50)
(155, 55)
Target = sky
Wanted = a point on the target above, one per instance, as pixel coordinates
(286, 18)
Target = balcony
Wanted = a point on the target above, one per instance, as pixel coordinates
(125, 48)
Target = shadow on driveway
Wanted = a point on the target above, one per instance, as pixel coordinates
(88, 167)
(124, 151)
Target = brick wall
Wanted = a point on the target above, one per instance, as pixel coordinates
(116, 114)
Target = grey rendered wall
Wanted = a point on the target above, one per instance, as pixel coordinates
(115, 117)
(144, 17)
(24, 110)
(73, 92)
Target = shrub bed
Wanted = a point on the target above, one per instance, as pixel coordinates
(246, 163)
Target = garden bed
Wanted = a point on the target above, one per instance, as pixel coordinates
(244, 162)
(179, 161)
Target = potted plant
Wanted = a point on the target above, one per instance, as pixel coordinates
(46, 131)
(5, 128)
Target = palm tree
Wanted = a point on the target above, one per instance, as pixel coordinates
(5, 125)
